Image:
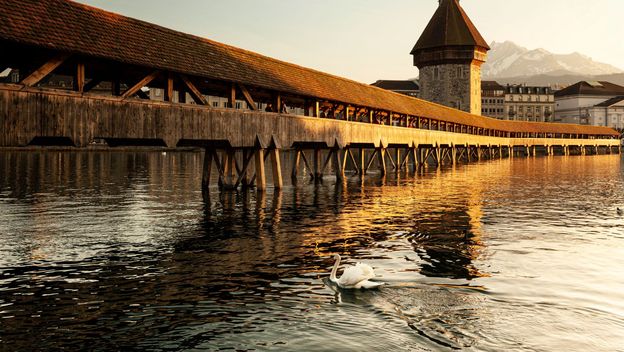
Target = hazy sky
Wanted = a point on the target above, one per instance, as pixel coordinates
(368, 40)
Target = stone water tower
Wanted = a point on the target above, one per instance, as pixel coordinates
(449, 55)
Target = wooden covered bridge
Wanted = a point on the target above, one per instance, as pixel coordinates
(111, 60)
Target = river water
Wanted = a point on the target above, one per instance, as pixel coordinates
(120, 251)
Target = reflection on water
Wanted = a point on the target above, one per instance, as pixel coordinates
(119, 251)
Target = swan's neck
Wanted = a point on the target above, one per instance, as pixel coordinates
(332, 277)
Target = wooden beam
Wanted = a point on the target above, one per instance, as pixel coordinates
(195, 93)
(232, 96)
(140, 84)
(79, 79)
(45, 70)
(92, 84)
(169, 87)
(276, 166)
(243, 173)
(278, 103)
(307, 163)
(247, 96)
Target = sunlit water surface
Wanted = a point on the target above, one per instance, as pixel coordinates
(119, 251)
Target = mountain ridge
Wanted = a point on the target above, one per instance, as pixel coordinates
(509, 60)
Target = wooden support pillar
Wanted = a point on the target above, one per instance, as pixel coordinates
(229, 168)
(454, 154)
(278, 103)
(207, 169)
(316, 160)
(79, 79)
(169, 87)
(438, 155)
(339, 163)
(397, 159)
(381, 152)
(232, 96)
(413, 155)
(260, 172)
(276, 165)
(295, 165)
(362, 161)
(317, 109)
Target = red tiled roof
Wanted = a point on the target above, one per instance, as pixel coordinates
(450, 26)
(71, 27)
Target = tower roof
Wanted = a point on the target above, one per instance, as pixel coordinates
(450, 26)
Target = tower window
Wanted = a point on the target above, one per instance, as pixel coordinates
(436, 73)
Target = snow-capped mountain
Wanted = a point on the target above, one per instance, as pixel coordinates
(511, 60)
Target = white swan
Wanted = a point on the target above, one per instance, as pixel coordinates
(354, 276)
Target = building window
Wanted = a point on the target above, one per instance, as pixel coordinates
(215, 104)
(436, 73)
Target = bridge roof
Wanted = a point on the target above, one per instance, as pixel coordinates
(67, 26)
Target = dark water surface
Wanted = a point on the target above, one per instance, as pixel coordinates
(118, 251)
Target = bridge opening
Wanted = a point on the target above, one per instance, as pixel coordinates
(135, 142)
(52, 142)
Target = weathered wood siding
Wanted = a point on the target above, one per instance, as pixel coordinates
(29, 113)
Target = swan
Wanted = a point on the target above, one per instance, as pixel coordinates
(354, 276)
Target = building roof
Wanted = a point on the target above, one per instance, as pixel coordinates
(66, 26)
(406, 85)
(611, 101)
(491, 85)
(591, 88)
(450, 26)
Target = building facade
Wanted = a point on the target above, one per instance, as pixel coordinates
(591, 103)
(517, 102)
(527, 103)
(492, 99)
(449, 55)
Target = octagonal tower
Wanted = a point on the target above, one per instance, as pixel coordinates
(449, 55)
